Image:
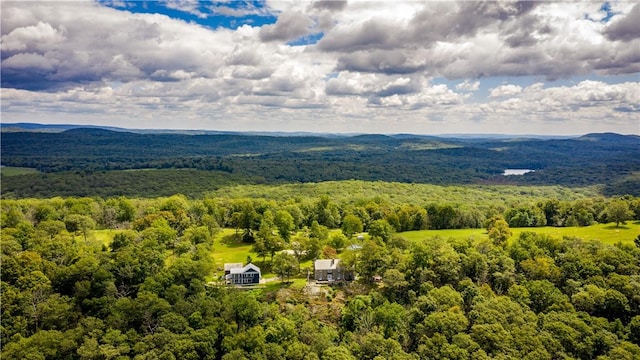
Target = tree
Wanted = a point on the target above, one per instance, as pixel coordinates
(125, 210)
(618, 211)
(351, 225)
(526, 217)
(79, 223)
(319, 232)
(372, 260)
(267, 236)
(326, 212)
(634, 330)
(337, 241)
(381, 229)
(284, 222)
(498, 230)
(51, 227)
(284, 265)
(329, 252)
(395, 285)
(541, 268)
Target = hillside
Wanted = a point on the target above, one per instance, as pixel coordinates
(594, 159)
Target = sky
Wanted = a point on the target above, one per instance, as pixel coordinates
(422, 67)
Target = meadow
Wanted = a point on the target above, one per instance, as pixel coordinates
(14, 171)
(228, 250)
(606, 233)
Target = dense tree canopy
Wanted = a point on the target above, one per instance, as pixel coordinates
(148, 293)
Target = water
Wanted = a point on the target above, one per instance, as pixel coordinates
(508, 172)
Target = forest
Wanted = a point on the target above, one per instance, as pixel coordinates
(87, 162)
(148, 290)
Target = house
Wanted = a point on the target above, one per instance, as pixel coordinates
(229, 266)
(330, 271)
(247, 275)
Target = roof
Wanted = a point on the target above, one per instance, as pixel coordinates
(236, 270)
(229, 266)
(326, 264)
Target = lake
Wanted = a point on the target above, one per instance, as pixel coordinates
(516, 171)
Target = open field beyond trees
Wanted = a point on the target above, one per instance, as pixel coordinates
(227, 250)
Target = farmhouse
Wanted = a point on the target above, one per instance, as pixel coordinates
(330, 271)
(247, 275)
(229, 266)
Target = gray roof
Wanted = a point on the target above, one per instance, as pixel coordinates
(326, 264)
(244, 269)
(229, 266)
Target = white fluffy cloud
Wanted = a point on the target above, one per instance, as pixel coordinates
(505, 90)
(379, 67)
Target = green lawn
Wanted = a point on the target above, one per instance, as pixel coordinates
(227, 251)
(607, 233)
(104, 236)
(13, 171)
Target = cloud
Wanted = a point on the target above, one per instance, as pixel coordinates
(290, 26)
(331, 5)
(380, 61)
(354, 83)
(468, 86)
(372, 34)
(28, 39)
(627, 28)
(188, 6)
(505, 90)
(84, 47)
(376, 61)
(482, 39)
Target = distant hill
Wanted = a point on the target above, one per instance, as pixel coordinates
(50, 128)
(611, 138)
(604, 159)
(54, 128)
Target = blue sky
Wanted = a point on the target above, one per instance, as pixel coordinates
(211, 14)
(330, 66)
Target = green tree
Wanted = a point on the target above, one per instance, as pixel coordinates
(285, 224)
(526, 217)
(634, 330)
(267, 236)
(351, 225)
(79, 223)
(448, 323)
(395, 285)
(381, 229)
(125, 210)
(372, 260)
(618, 211)
(498, 230)
(285, 265)
(337, 241)
(326, 212)
(319, 232)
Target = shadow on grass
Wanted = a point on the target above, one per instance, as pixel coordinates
(274, 286)
(614, 227)
(233, 241)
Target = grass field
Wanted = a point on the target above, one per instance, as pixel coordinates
(227, 251)
(104, 236)
(607, 233)
(13, 171)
